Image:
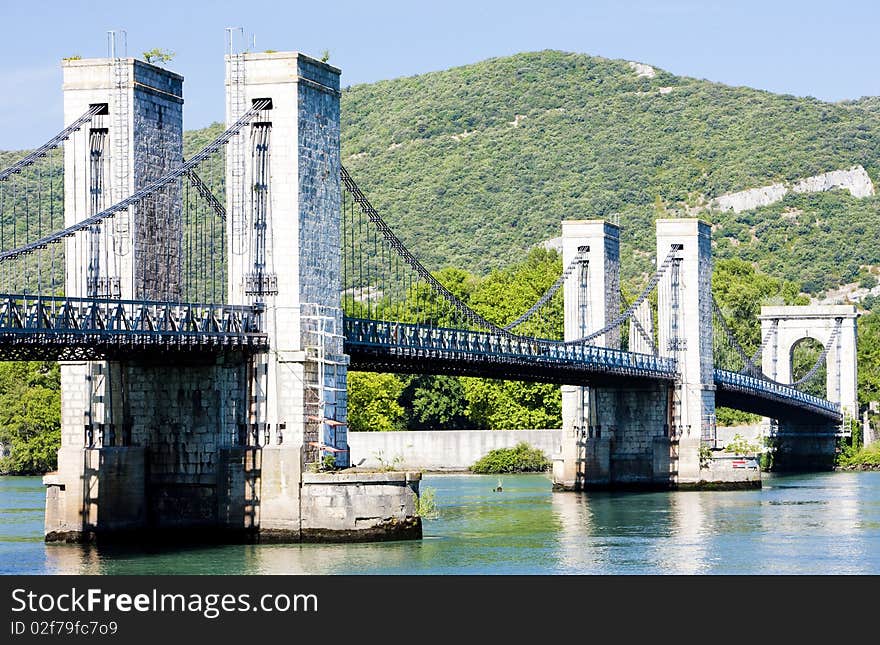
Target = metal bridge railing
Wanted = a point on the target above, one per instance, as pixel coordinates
(390, 335)
(763, 386)
(39, 316)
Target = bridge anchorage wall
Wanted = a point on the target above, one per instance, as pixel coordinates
(804, 444)
(220, 447)
(646, 434)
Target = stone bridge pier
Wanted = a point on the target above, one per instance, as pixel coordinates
(221, 447)
(613, 436)
(646, 434)
(146, 443)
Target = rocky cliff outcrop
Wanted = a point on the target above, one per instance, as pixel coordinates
(855, 180)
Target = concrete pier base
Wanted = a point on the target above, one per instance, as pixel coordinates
(360, 507)
(627, 447)
(804, 448)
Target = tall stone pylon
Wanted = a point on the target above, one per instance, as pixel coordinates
(283, 191)
(592, 300)
(818, 322)
(137, 137)
(684, 324)
(801, 444)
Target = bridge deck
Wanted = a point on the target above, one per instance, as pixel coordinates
(761, 396)
(60, 328)
(36, 327)
(411, 348)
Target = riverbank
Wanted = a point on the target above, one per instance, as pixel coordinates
(865, 459)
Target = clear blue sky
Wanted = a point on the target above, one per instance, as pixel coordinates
(805, 47)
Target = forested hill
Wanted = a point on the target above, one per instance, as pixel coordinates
(474, 165)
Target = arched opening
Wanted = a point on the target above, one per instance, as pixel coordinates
(804, 354)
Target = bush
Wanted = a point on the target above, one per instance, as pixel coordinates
(522, 458)
(426, 507)
(741, 446)
(868, 457)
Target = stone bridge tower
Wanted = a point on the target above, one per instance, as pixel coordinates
(801, 445)
(592, 300)
(641, 434)
(283, 179)
(684, 326)
(147, 443)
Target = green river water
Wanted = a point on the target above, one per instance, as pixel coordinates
(806, 524)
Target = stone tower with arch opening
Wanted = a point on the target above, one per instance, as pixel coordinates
(834, 328)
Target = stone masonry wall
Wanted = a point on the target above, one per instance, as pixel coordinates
(634, 420)
(443, 449)
(319, 237)
(319, 188)
(157, 117)
(360, 506)
(183, 416)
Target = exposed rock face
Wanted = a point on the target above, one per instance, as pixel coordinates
(752, 198)
(553, 244)
(643, 70)
(855, 180)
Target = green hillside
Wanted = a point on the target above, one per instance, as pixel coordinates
(475, 165)
(467, 182)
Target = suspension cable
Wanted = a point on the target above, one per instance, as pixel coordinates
(821, 359)
(203, 190)
(752, 368)
(629, 311)
(398, 246)
(52, 143)
(582, 251)
(639, 328)
(147, 190)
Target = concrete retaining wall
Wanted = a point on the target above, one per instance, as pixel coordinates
(753, 434)
(442, 449)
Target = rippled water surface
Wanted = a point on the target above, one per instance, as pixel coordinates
(823, 523)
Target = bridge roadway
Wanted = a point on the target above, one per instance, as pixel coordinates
(409, 348)
(35, 327)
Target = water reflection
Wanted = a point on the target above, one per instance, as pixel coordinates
(828, 523)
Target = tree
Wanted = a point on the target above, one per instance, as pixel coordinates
(372, 402)
(740, 290)
(159, 56)
(30, 417)
(512, 405)
(869, 358)
(434, 403)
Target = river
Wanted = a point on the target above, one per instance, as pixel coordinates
(825, 523)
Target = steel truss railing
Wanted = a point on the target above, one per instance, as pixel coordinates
(771, 389)
(51, 321)
(405, 337)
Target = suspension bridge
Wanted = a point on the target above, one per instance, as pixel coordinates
(206, 306)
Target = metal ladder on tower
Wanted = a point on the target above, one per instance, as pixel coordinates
(120, 138)
(319, 330)
(235, 108)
